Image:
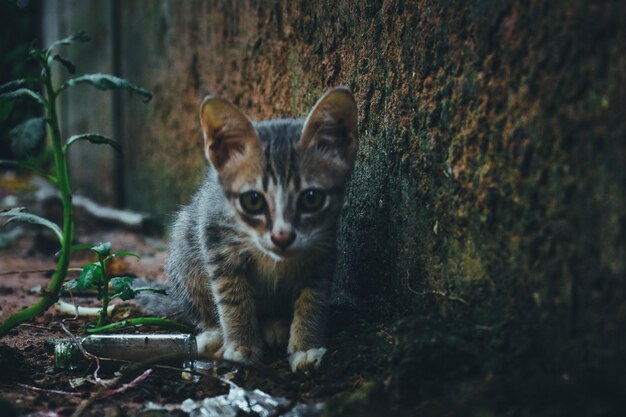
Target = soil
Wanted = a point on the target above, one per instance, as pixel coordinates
(30, 384)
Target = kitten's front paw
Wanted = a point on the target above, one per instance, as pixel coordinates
(209, 341)
(306, 361)
(242, 354)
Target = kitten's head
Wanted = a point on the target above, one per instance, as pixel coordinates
(285, 179)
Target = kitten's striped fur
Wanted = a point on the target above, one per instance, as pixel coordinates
(250, 278)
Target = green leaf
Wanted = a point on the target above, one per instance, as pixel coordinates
(6, 108)
(128, 293)
(121, 286)
(93, 138)
(18, 83)
(70, 285)
(90, 276)
(69, 65)
(22, 92)
(108, 82)
(34, 168)
(76, 37)
(34, 52)
(123, 290)
(103, 249)
(27, 138)
(119, 283)
(18, 214)
(124, 253)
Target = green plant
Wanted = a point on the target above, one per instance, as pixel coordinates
(31, 132)
(96, 275)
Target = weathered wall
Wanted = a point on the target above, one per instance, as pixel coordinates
(491, 163)
(84, 109)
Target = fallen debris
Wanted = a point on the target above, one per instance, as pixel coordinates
(68, 309)
(250, 403)
(48, 196)
(124, 347)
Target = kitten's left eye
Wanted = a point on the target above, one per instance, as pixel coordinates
(252, 202)
(312, 200)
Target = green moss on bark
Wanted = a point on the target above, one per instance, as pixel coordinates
(491, 162)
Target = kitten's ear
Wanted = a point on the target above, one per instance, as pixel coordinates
(331, 127)
(228, 133)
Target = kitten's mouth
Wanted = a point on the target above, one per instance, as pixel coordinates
(279, 254)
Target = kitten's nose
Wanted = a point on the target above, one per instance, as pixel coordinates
(283, 238)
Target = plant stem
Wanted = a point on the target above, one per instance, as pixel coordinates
(105, 299)
(63, 183)
(146, 321)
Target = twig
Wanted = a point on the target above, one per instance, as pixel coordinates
(35, 326)
(86, 354)
(76, 341)
(79, 344)
(131, 384)
(49, 391)
(34, 271)
(435, 292)
(63, 307)
(69, 381)
(442, 294)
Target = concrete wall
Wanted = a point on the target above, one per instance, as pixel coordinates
(83, 109)
(490, 178)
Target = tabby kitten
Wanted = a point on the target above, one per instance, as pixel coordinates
(252, 255)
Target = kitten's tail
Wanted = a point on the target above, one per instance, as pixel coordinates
(156, 304)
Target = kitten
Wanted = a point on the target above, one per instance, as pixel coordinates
(252, 256)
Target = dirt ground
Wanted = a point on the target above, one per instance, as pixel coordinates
(30, 384)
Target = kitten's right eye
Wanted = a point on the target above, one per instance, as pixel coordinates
(252, 202)
(312, 200)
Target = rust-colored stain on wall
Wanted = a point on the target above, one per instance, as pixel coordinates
(491, 163)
